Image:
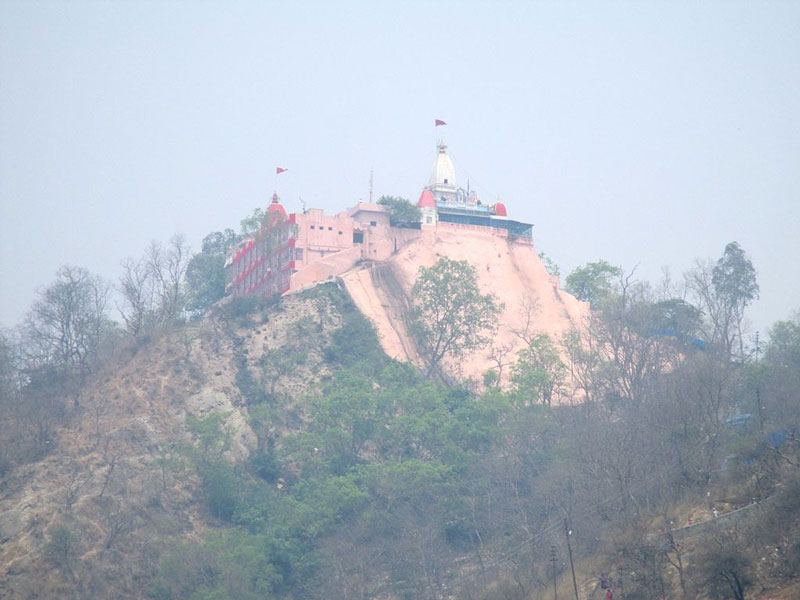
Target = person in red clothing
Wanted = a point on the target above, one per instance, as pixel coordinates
(609, 595)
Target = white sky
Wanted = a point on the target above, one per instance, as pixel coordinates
(644, 133)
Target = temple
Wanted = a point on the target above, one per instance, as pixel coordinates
(442, 201)
(292, 251)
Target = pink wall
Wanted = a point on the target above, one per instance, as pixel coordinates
(331, 266)
(328, 253)
(319, 234)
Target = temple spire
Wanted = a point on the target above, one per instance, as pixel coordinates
(442, 181)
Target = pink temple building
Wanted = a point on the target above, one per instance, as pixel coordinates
(295, 250)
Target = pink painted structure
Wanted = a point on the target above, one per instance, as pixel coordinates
(296, 250)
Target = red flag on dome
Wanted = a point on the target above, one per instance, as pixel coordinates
(439, 122)
(280, 170)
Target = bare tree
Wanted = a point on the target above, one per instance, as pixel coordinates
(76, 479)
(583, 361)
(64, 326)
(152, 288)
(136, 288)
(528, 310)
(119, 523)
(498, 354)
(168, 270)
(62, 549)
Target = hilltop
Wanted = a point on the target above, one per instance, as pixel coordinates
(272, 427)
(379, 249)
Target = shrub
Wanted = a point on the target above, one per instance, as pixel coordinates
(62, 549)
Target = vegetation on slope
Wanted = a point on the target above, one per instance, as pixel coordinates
(274, 451)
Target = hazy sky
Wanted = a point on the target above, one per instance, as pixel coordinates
(646, 133)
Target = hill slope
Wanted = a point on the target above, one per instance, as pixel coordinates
(513, 273)
(277, 452)
(90, 517)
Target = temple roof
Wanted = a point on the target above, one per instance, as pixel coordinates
(275, 205)
(426, 199)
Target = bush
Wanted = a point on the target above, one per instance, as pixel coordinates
(266, 466)
(354, 341)
(222, 486)
(62, 549)
(241, 308)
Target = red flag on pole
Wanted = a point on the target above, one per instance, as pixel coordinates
(280, 170)
(439, 122)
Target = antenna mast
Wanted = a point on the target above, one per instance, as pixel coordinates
(370, 185)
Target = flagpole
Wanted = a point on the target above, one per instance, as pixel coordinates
(437, 123)
(278, 171)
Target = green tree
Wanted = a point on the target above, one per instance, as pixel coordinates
(213, 436)
(784, 344)
(9, 376)
(592, 282)
(250, 226)
(346, 416)
(401, 212)
(280, 362)
(777, 401)
(205, 274)
(734, 280)
(449, 315)
(539, 373)
(549, 264)
(724, 290)
(677, 317)
(353, 341)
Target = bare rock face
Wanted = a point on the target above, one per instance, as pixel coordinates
(209, 401)
(11, 523)
(511, 271)
(84, 519)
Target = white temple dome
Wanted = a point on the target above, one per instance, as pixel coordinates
(443, 173)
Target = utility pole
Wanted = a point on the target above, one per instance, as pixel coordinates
(571, 564)
(554, 559)
(758, 390)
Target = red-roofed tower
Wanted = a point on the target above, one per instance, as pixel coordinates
(427, 206)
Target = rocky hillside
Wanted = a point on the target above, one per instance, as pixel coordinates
(531, 298)
(275, 451)
(88, 519)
